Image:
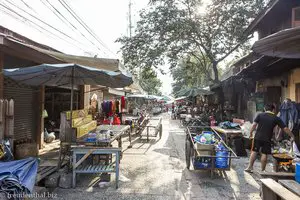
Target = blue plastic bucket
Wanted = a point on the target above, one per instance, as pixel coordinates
(297, 175)
(221, 161)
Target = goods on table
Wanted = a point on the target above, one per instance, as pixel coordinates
(99, 136)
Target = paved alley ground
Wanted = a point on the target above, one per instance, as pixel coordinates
(156, 170)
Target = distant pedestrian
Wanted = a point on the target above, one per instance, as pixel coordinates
(265, 123)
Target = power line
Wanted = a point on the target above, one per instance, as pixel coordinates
(43, 22)
(69, 9)
(28, 6)
(66, 21)
(26, 19)
(72, 12)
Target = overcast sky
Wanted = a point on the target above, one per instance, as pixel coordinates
(107, 18)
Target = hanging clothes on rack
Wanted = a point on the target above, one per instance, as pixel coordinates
(288, 113)
(123, 103)
(117, 107)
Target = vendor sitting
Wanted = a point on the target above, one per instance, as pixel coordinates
(265, 123)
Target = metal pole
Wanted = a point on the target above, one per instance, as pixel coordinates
(72, 91)
(71, 106)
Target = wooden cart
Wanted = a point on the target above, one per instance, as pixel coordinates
(193, 153)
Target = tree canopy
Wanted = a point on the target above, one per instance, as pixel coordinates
(172, 30)
(149, 82)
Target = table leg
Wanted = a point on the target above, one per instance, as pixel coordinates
(130, 145)
(117, 169)
(120, 141)
(147, 133)
(275, 165)
(59, 157)
(74, 168)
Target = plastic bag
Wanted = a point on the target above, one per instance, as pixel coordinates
(296, 150)
(246, 127)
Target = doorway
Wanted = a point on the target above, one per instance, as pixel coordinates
(273, 96)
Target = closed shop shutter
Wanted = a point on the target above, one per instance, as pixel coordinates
(26, 105)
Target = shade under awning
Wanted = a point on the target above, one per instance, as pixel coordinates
(283, 44)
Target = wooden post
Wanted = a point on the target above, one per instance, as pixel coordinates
(40, 124)
(81, 97)
(1, 75)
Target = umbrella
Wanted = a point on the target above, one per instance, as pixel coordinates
(18, 177)
(67, 74)
(283, 44)
(193, 92)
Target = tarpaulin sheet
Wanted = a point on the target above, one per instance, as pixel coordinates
(18, 177)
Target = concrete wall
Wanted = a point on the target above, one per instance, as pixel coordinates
(276, 81)
(294, 78)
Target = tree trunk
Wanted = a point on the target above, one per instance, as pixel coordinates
(215, 70)
(220, 93)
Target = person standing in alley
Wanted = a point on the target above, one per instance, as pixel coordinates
(264, 124)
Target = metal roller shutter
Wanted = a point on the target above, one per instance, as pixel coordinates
(26, 106)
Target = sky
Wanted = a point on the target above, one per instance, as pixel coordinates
(108, 20)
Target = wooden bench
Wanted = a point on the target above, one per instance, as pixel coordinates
(111, 167)
(272, 190)
(155, 123)
(291, 185)
(278, 175)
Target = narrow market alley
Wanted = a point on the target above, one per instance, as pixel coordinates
(156, 170)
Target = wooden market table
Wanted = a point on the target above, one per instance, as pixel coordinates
(118, 132)
(80, 167)
(229, 133)
(283, 189)
(99, 148)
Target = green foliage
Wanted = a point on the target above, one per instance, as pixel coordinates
(176, 30)
(149, 82)
(191, 73)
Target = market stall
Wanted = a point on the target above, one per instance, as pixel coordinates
(228, 134)
(79, 123)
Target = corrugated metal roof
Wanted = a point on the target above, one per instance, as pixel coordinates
(58, 57)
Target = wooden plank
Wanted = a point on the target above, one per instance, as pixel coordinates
(47, 172)
(84, 157)
(276, 188)
(291, 185)
(277, 174)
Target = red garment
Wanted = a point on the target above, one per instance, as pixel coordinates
(123, 102)
(117, 121)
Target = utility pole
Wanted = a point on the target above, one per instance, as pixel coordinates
(129, 18)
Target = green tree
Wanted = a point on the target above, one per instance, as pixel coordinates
(191, 73)
(149, 82)
(175, 29)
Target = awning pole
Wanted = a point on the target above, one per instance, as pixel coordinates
(71, 106)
